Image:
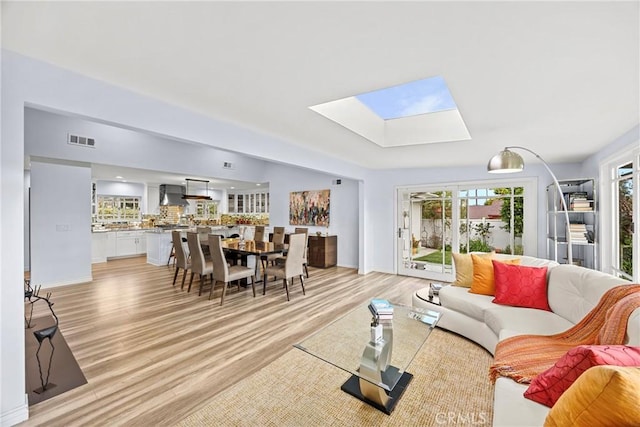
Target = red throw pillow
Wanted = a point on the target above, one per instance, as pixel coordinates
(547, 387)
(521, 286)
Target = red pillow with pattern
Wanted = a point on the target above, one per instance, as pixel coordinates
(520, 286)
(547, 387)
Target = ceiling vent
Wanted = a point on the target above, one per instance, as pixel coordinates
(227, 165)
(83, 141)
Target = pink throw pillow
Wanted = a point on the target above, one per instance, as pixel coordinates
(547, 387)
(521, 286)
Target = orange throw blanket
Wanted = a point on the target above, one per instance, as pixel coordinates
(524, 357)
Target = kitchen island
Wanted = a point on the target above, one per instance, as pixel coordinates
(159, 243)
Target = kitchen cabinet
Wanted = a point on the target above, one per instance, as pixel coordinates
(111, 244)
(99, 247)
(248, 202)
(323, 251)
(130, 243)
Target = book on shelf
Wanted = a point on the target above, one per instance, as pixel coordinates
(578, 232)
(578, 201)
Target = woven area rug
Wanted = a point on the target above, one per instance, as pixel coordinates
(450, 386)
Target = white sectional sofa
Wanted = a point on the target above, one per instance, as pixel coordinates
(572, 292)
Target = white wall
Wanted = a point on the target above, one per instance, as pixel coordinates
(60, 224)
(344, 214)
(380, 202)
(46, 136)
(630, 139)
(13, 401)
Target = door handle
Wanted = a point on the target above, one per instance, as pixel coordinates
(399, 233)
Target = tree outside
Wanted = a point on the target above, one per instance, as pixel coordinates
(625, 209)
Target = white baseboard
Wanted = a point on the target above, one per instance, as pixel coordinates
(16, 415)
(65, 283)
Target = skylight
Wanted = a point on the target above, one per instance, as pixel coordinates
(418, 112)
(429, 95)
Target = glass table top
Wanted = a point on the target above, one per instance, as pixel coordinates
(342, 342)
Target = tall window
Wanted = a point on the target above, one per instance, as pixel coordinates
(492, 219)
(622, 251)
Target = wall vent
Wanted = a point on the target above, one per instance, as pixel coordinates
(83, 141)
(227, 165)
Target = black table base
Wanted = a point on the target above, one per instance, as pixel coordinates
(352, 386)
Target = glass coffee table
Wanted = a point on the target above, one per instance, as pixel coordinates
(377, 363)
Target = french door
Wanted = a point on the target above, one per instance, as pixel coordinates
(434, 221)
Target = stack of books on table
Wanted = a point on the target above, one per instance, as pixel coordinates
(578, 233)
(381, 309)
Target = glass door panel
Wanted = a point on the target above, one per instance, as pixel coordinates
(433, 222)
(625, 229)
(425, 234)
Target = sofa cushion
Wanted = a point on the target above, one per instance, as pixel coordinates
(483, 278)
(574, 291)
(464, 268)
(547, 387)
(525, 320)
(602, 396)
(521, 286)
(459, 299)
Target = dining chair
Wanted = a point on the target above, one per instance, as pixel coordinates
(198, 263)
(278, 237)
(258, 234)
(292, 266)
(181, 260)
(224, 273)
(203, 235)
(282, 259)
(278, 243)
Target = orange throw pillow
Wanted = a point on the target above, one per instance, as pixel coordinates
(483, 278)
(602, 396)
(464, 268)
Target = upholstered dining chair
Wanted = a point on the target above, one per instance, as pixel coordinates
(224, 273)
(198, 264)
(278, 243)
(292, 266)
(282, 259)
(181, 260)
(258, 234)
(203, 235)
(278, 237)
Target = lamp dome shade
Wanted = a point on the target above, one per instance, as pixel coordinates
(505, 161)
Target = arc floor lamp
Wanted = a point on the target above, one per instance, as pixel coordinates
(508, 161)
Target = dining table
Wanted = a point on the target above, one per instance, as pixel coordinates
(238, 251)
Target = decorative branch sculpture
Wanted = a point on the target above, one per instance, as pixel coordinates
(28, 294)
(41, 335)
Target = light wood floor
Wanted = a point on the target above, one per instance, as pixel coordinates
(153, 354)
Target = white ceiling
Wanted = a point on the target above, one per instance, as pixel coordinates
(153, 177)
(561, 78)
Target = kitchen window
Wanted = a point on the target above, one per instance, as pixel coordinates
(118, 208)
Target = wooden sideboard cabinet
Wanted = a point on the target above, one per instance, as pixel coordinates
(323, 251)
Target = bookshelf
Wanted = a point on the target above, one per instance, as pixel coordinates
(581, 200)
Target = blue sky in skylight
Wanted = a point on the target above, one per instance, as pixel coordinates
(410, 99)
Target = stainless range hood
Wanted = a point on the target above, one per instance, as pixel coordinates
(172, 195)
